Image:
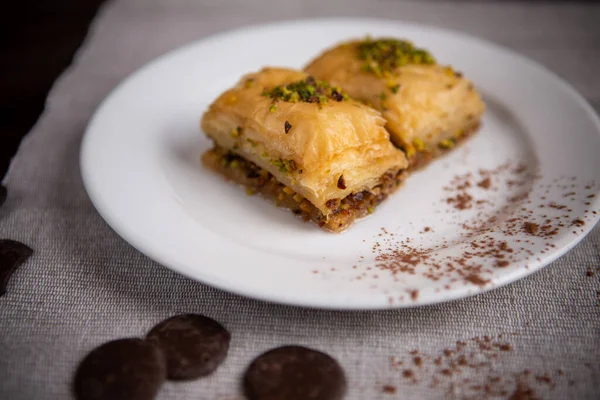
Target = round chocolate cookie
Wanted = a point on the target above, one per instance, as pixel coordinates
(294, 373)
(193, 345)
(12, 255)
(124, 369)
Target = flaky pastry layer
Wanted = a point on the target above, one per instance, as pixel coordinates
(424, 104)
(343, 212)
(323, 151)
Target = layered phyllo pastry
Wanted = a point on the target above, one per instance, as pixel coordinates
(304, 144)
(429, 108)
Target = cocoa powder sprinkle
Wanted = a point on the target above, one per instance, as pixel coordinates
(389, 389)
(524, 392)
(461, 201)
(578, 222)
(522, 222)
(476, 279)
(531, 228)
(486, 183)
(544, 379)
(414, 294)
(470, 368)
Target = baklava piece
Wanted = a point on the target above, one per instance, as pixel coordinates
(429, 108)
(304, 144)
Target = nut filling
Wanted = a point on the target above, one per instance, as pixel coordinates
(258, 180)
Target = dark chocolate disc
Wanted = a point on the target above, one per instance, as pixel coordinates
(12, 255)
(193, 345)
(124, 369)
(3, 194)
(294, 373)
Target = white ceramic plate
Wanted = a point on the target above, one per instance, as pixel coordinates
(140, 164)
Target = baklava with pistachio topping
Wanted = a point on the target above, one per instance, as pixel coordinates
(429, 107)
(304, 144)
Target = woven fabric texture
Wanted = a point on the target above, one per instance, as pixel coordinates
(84, 285)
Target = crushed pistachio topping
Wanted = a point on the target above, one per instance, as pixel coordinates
(308, 90)
(370, 210)
(280, 164)
(285, 165)
(252, 142)
(230, 159)
(419, 145)
(287, 126)
(272, 108)
(447, 143)
(383, 56)
(236, 132)
(383, 98)
(305, 206)
(395, 88)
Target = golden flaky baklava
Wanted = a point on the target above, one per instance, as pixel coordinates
(429, 107)
(305, 144)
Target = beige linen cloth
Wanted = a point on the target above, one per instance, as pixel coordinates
(84, 285)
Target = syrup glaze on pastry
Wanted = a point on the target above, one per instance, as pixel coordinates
(428, 107)
(309, 139)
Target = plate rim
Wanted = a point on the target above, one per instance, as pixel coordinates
(257, 294)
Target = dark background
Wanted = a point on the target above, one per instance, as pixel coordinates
(37, 42)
